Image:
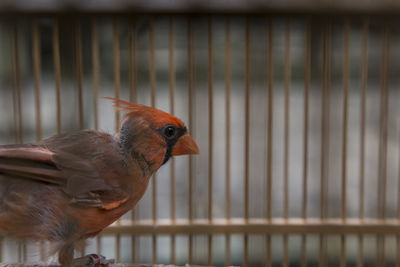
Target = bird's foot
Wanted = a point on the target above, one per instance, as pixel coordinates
(92, 260)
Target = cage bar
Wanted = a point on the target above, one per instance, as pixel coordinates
(132, 61)
(227, 136)
(153, 104)
(383, 138)
(210, 117)
(270, 76)
(325, 135)
(364, 75)
(346, 74)
(117, 72)
(96, 72)
(133, 98)
(246, 138)
(17, 106)
(247, 119)
(191, 124)
(325, 119)
(57, 72)
(79, 71)
(287, 123)
(307, 72)
(37, 76)
(286, 140)
(210, 131)
(172, 111)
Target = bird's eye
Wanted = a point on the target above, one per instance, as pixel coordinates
(169, 131)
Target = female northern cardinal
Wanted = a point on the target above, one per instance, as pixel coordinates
(70, 186)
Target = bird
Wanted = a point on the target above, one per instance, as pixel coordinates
(70, 186)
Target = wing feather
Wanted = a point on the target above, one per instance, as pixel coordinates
(30, 162)
(75, 162)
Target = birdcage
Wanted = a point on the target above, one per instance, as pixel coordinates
(294, 107)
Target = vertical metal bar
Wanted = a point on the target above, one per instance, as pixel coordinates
(325, 119)
(210, 131)
(343, 250)
(247, 120)
(325, 133)
(285, 260)
(210, 250)
(37, 76)
(380, 251)
(322, 249)
(117, 73)
(287, 124)
(57, 71)
(210, 116)
(117, 248)
(190, 256)
(133, 248)
(398, 217)
(96, 72)
(227, 250)
(153, 103)
(303, 258)
(190, 88)
(270, 119)
(360, 256)
(269, 137)
(172, 107)
(346, 73)
(190, 106)
(117, 84)
(228, 119)
(286, 143)
(17, 106)
(132, 98)
(152, 65)
(227, 136)
(79, 70)
(268, 258)
(154, 248)
(383, 124)
(307, 72)
(246, 251)
(132, 62)
(246, 137)
(98, 245)
(364, 76)
(383, 137)
(172, 110)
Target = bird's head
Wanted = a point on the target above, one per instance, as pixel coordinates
(152, 135)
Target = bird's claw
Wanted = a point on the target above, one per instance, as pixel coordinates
(92, 260)
(100, 260)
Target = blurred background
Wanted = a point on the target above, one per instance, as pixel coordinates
(294, 108)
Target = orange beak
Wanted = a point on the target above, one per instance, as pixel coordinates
(185, 145)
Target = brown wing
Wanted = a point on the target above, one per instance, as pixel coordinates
(87, 165)
(30, 161)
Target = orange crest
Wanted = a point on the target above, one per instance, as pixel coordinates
(158, 117)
